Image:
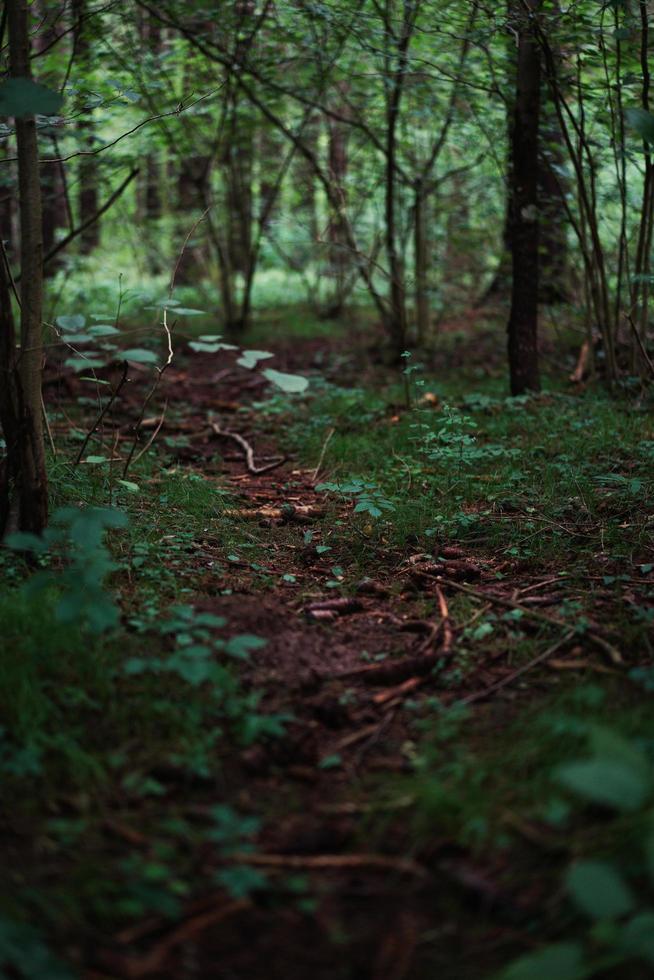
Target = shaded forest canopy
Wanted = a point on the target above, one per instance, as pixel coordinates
(326, 442)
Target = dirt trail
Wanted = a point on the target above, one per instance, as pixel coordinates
(343, 667)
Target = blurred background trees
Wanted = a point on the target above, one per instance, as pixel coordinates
(409, 157)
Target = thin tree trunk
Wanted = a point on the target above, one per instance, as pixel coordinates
(554, 271)
(53, 184)
(25, 440)
(87, 173)
(421, 260)
(523, 319)
(338, 251)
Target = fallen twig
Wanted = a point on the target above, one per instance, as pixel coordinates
(332, 862)
(328, 437)
(505, 681)
(248, 450)
(614, 655)
(340, 607)
(417, 665)
(132, 968)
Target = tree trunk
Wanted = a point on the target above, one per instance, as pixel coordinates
(554, 272)
(338, 251)
(523, 319)
(87, 173)
(396, 318)
(25, 474)
(54, 202)
(421, 262)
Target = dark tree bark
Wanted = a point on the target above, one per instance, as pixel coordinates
(552, 184)
(23, 484)
(151, 193)
(339, 256)
(8, 215)
(523, 319)
(421, 262)
(87, 173)
(54, 202)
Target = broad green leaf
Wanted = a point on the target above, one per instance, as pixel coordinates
(23, 541)
(241, 646)
(250, 358)
(598, 890)
(103, 330)
(290, 383)
(560, 961)
(77, 338)
(194, 671)
(95, 460)
(642, 121)
(73, 322)
(22, 950)
(637, 936)
(608, 744)
(605, 781)
(84, 363)
(21, 97)
(160, 304)
(139, 355)
(205, 347)
(187, 311)
(241, 880)
(132, 487)
(367, 507)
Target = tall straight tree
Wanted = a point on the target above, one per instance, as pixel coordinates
(88, 198)
(23, 482)
(523, 318)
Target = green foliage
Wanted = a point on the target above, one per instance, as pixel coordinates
(195, 661)
(26, 956)
(75, 538)
(609, 893)
(367, 496)
(21, 97)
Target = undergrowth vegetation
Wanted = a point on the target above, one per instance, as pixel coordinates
(119, 685)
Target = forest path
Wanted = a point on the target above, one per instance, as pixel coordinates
(351, 669)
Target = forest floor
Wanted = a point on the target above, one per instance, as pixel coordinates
(416, 652)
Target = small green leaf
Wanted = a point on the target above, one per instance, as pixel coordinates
(95, 460)
(139, 355)
(241, 880)
(598, 890)
(250, 358)
(330, 761)
(209, 347)
(642, 121)
(637, 937)
(241, 646)
(132, 487)
(290, 383)
(24, 541)
(606, 781)
(71, 323)
(563, 961)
